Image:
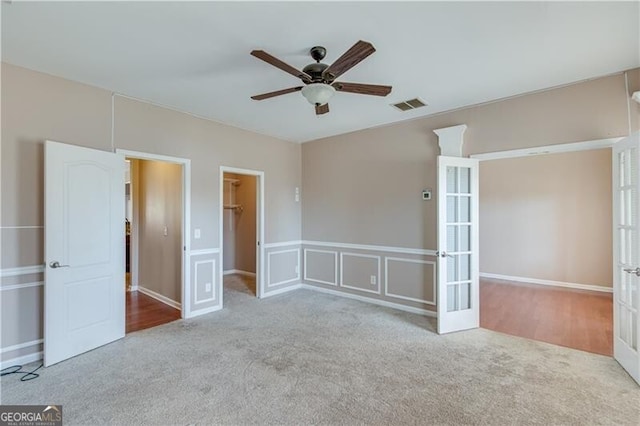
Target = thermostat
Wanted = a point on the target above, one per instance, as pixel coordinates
(426, 194)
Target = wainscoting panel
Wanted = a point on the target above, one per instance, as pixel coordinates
(360, 272)
(393, 276)
(410, 279)
(283, 267)
(322, 266)
(21, 319)
(206, 286)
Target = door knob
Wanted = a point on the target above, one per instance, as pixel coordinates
(633, 271)
(55, 264)
(443, 254)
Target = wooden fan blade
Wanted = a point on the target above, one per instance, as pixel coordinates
(276, 93)
(322, 109)
(349, 59)
(261, 54)
(362, 89)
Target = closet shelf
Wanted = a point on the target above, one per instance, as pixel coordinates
(236, 207)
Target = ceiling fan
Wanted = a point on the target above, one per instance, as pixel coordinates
(319, 78)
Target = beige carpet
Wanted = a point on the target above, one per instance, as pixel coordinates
(310, 358)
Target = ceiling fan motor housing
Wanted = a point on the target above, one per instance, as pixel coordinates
(315, 71)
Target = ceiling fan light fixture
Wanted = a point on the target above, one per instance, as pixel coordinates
(318, 93)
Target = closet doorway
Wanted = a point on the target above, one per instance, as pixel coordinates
(241, 232)
(155, 236)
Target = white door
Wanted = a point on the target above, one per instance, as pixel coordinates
(626, 254)
(84, 297)
(458, 270)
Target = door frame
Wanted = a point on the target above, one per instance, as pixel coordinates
(259, 175)
(544, 150)
(186, 223)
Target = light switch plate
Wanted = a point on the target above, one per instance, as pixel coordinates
(196, 233)
(207, 287)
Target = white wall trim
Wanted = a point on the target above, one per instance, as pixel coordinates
(239, 272)
(335, 273)
(203, 311)
(260, 226)
(388, 249)
(342, 284)
(547, 282)
(451, 139)
(548, 149)
(297, 286)
(21, 360)
(379, 302)
(20, 286)
(22, 270)
(159, 297)
(296, 278)
(283, 244)
(399, 296)
(21, 346)
(185, 307)
(213, 297)
(200, 252)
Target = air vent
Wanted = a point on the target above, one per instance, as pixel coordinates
(409, 105)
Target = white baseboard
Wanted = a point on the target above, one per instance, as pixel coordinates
(134, 288)
(576, 286)
(21, 360)
(198, 312)
(379, 302)
(159, 297)
(282, 290)
(239, 272)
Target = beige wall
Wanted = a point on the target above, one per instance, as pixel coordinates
(240, 226)
(364, 188)
(160, 206)
(548, 217)
(36, 107)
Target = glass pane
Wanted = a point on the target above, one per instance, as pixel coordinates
(465, 237)
(465, 178)
(621, 162)
(632, 167)
(452, 297)
(622, 324)
(452, 180)
(631, 208)
(634, 331)
(452, 209)
(627, 207)
(630, 250)
(452, 238)
(465, 267)
(624, 279)
(452, 269)
(464, 204)
(465, 296)
(633, 292)
(623, 246)
(627, 164)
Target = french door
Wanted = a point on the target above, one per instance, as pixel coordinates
(626, 254)
(458, 269)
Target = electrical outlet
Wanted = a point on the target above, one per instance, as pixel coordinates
(207, 287)
(196, 233)
(297, 194)
(166, 231)
(373, 280)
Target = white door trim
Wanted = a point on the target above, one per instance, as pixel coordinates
(259, 174)
(548, 149)
(186, 219)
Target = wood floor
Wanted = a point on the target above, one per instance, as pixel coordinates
(146, 312)
(573, 318)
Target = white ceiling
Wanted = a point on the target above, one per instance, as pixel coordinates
(195, 56)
